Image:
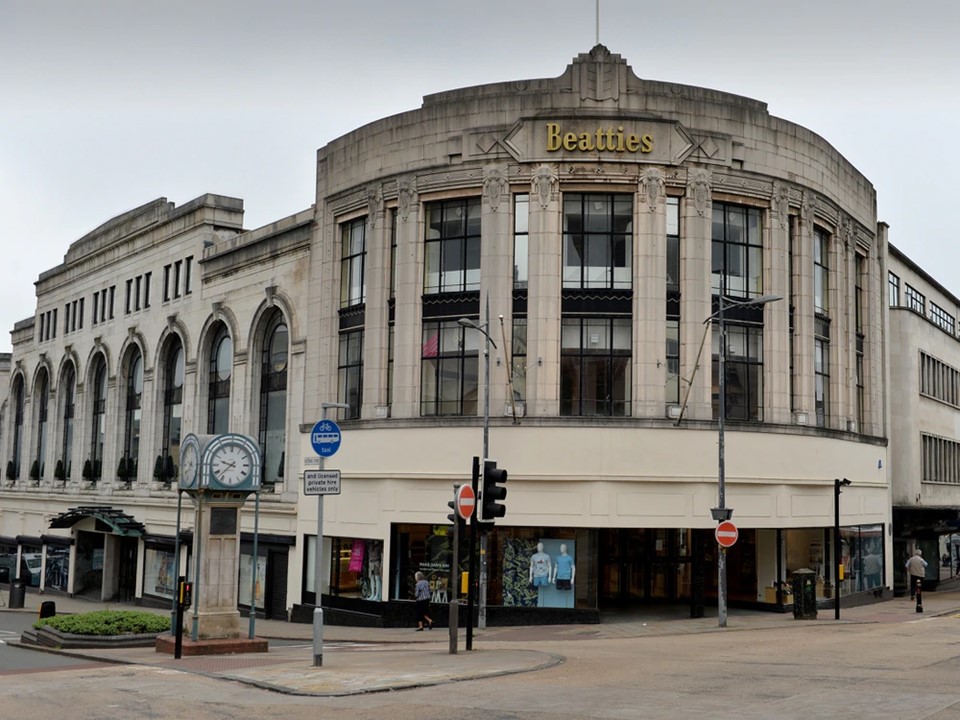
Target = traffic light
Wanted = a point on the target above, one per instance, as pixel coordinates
(186, 593)
(453, 517)
(493, 491)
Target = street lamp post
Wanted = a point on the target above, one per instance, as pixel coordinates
(722, 512)
(837, 484)
(488, 341)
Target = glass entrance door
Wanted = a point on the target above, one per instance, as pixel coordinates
(645, 565)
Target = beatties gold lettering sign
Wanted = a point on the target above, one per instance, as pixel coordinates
(603, 140)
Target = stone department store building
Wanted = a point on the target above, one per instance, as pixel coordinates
(599, 214)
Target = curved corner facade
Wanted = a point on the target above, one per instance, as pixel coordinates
(600, 215)
(534, 272)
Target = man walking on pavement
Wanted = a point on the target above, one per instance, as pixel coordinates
(916, 570)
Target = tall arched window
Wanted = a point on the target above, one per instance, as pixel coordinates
(13, 469)
(99, 417)
(273, 397)
(131, 435)
(172, 409)
(221, 366)
(42, 392)
(69, 386)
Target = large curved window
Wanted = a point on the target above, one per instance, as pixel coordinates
(597, 241)
(221, 367)
(273, 397)
(131, 434)
(13, 469)
(69, 386)
(172, 411)
(448, 370)
(98, 418)
(595, 365)
(42, 393)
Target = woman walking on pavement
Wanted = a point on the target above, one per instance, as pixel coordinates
(421, 593)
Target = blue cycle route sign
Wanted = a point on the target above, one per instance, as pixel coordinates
(325, 438)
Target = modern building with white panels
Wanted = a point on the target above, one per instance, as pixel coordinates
(602, 217)
(924, 396)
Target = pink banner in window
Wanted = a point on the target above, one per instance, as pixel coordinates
(356, 556)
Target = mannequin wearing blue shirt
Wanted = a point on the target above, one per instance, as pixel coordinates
(564, 571)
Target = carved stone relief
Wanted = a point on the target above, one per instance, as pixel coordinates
(544, 184)
(781, 203)
(374, 204)
(652, 186)
(698, 187)
(495, 186)
(808, 207)
(406, 197)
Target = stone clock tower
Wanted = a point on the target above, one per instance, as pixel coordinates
(218, 472)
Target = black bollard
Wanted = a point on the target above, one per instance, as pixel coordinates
(919, 596)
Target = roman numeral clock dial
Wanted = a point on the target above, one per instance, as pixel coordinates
(231, 465)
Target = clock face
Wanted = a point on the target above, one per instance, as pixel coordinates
(231, 465)
(189, 465)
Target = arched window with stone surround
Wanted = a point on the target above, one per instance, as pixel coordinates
(13, 468)
(43, 391)
(221, 369)
(172, 408)
(273, 396)
(132, 407)
(68, 388)
(98, 418)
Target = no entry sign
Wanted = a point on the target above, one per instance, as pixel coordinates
(466, 501)
(726, 534)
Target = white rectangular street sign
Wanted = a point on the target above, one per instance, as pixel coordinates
(321, 482)
(312, 460)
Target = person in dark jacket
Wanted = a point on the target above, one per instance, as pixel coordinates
(421, 593)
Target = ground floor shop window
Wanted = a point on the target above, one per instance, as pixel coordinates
(539, 572)
(57, 570)
(250, 584)
(31, 564)
(861, 555)
(159, 573)
(356, 569)
(427, 549)
(526, 567)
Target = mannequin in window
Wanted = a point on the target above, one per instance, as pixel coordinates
(564, 571)
(540, 567)
(374, 570)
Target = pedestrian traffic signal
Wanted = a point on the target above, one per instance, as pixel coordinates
(186, 593)
(493, 491)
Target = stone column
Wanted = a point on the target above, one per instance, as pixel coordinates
(874, 341)
(803, 345)
(320, 319)
(696, 217)
(776, 336)
(377, 279)
(545, 241)
(649, 296)
(496, 282)
(409, 304)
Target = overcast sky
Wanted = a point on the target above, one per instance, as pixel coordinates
(106, 105)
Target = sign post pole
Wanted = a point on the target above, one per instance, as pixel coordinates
(325, 438)
(454, 615)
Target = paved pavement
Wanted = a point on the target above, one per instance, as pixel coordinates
(405, 658)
